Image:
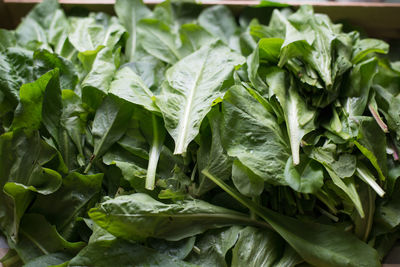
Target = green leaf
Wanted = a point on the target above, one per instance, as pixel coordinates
(29, 113)
(27, 155)
(256, 247)
(196, 36)
(312, 42)
(129, 86)
(363, 226)
(31, 35)
(246, 182)
(138, 216)
(253, 66)
(46, 61)
(76, 195)
(16, 69)
(289, 258)
(52, 106)
(269, 49)
(253, 136)
(104, 253)
(44, 12)
(109, 125)
(358, 87)
(50, 259)
(364, 47)
(219, 21)
(308, 177)
(211, 154)
(35, 30)
(157, 39)
(213, 246)
(97, 82)
(318, 244)
(18, 197)
(177, 249)
(73, 119)
(387, 214)
(299, 118)
(38, 238)
(340, 171)
(129, 13)
(88, 33)
(371, 142)
(7, 39)
(133, 174)
(191, 87)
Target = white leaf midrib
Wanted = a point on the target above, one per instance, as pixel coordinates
(183, 125)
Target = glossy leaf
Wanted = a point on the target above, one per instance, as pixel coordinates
(38, 238)
(138, 216)
(129, 13)
(253, 135)
(191, 86)
(317, 244)
(213, 246)
(76, 195)
(256, 247)
(109, 125)
(130, 87)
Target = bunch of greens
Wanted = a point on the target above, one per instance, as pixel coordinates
(179, 137)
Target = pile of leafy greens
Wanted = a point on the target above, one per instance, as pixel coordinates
(180, 136)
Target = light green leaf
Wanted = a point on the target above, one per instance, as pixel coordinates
(16, 69)
(87, 34)
(129, 86)
(129, 13)
(219, 21)
(29, 112)
(190, 89)
(97, 82)
(299, 117)
(157, 39)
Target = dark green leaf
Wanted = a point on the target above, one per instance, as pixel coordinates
(318, 244)
(138, 216)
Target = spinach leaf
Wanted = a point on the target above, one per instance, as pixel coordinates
(33, 243)
(256, 247)
(138, 216)
(253, 136)
(310, 239)
(213, 247)
(104, 252)
(109, 125)
(129, 13)
(191, 86)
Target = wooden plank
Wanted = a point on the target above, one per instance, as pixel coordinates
(227, 2)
